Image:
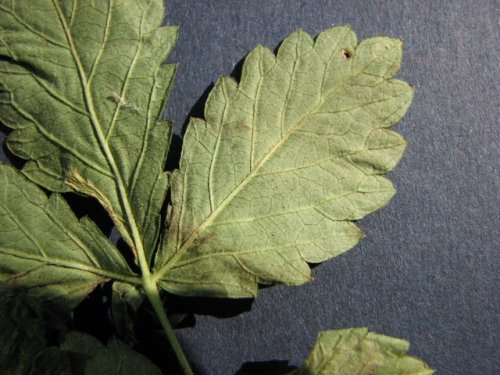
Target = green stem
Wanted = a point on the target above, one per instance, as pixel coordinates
(134, 236)
(154, 298)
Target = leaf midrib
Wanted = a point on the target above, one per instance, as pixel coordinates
(124, 198)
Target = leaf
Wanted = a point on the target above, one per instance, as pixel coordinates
(125, 301)
(25, 327)
(46, 250)
(83, 85)
(25, 348)
(22, 331)
(283, 163)
(357, 351)
(92, 357)
(80, 353)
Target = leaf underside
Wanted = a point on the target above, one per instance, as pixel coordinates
(46, 250)
(271, 180)
(283, 163)
(95, 358)
(83, 83)
(357, 351)
(25, 347)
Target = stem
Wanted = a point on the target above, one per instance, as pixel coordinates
(153, 295)
(148, 283)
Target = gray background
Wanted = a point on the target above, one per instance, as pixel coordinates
(427, 270)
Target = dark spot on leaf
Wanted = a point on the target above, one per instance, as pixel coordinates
(347, 55)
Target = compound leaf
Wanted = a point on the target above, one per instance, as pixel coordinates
(46, 250)
(283, 163)
(82, 84)
(357, 351)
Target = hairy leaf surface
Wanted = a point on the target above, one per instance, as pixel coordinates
(357, 351)
(46, 250)
(283, 163)
(82, 84)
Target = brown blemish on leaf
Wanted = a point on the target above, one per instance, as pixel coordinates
(78, 183)
(346, 54)
(204, 238)
(121, 102)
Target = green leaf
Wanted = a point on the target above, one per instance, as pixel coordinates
(283, 163)
(22, 331)
(46, 250)
(80, 353)
(82, 84)
(28, 346)
(125, 301)
(92, 357)
(357, 351)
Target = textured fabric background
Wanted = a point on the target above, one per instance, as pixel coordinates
(427, 270)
